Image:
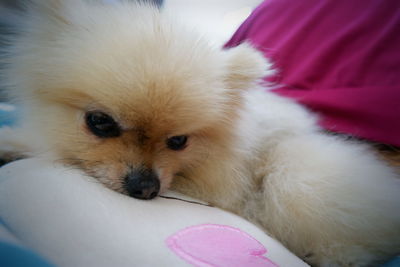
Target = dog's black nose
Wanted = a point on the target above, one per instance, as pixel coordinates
(142, 184)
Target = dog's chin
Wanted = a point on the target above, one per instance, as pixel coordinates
(165, 184)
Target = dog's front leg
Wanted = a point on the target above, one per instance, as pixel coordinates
(14, 144)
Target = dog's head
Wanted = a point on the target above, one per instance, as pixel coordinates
(126, 95)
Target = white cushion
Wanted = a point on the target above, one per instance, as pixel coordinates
(73, 220)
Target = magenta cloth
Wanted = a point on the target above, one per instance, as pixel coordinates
(340, 58)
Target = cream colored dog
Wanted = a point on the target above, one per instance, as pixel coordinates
(123, 93)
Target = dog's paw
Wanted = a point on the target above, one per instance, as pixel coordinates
(9, 157)
(11, 146)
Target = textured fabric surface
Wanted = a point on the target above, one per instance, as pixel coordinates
(339, 58)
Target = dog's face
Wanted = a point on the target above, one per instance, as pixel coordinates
(125, 96)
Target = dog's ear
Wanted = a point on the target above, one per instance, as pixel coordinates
(246, 66)
(55, 10)
(46, 7)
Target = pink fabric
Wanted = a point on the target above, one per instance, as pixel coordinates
(340, 58)
(218, 245)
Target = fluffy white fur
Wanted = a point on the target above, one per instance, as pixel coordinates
(332, 202)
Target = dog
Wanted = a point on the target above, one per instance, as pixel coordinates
(131, 97)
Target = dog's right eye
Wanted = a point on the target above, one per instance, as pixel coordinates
(102, 125)
(177, 142)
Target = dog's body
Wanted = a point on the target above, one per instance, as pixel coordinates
(185, 115)
(326, 199)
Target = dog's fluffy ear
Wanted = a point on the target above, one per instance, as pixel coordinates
(246, 67)
(47, 7)
(55, 10)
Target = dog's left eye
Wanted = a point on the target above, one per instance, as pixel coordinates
(177, 142)
(102, 125)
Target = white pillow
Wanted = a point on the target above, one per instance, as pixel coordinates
(73, 220)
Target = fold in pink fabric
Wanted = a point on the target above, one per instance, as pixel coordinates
(340, 58)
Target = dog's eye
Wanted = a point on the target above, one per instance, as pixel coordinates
(177, 142)
(102, 125)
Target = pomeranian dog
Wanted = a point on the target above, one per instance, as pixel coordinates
(133, 99)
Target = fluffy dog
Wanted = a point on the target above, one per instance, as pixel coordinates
(130, 97)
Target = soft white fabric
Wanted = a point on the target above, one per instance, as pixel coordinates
(72, 220)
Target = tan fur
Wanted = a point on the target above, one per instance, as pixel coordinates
(250, 152)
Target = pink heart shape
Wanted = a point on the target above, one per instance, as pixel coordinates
(218, 245)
